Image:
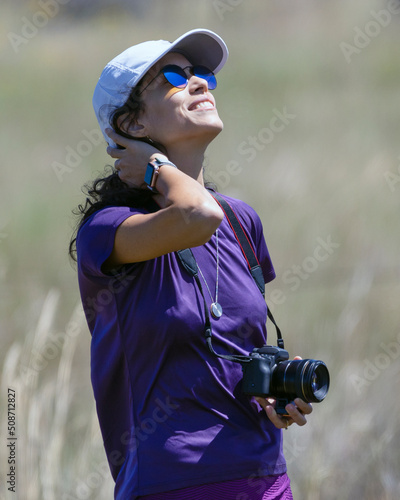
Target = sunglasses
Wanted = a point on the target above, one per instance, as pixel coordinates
(177, 77)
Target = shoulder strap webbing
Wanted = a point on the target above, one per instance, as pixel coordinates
(249, 255)
(244, 243)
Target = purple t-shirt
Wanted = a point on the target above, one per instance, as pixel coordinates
(173, 415)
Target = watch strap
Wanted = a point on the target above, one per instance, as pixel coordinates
(152, 172)
(159, 162)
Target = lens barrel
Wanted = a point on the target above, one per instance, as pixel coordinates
(307, 379)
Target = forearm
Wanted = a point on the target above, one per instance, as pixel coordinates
(191, 207)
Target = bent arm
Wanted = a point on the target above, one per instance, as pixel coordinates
(188, 217)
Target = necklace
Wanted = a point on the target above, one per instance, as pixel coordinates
(215, 308)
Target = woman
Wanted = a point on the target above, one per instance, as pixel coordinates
(174, 421)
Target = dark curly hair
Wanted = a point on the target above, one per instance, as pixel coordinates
(108, 189)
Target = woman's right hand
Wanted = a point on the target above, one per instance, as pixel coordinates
(131, 162)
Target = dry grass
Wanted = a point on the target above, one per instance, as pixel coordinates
(324, 175)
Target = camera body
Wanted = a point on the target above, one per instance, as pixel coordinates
(270, 373)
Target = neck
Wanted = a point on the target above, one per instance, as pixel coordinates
(189, 160)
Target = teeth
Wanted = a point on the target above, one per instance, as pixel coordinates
(204, 104)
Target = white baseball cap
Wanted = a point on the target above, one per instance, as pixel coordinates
(199, 46)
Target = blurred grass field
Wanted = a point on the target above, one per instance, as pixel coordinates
(330, 174)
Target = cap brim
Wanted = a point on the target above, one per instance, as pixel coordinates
(202, 47)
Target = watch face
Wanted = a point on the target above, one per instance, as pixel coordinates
(149, 174)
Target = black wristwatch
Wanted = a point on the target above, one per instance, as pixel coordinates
(152, 172)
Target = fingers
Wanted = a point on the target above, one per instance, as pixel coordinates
(118, 139)
(304, 407)
(279, 421)
(269, 406)
(115, 152)
(142, 150)
(265, 402)
(296, 412)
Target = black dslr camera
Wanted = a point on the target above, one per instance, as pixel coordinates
(270, 373)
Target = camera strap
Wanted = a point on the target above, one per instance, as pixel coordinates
(249, 254)
(189, 263)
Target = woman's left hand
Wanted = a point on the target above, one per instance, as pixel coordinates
(296, 411)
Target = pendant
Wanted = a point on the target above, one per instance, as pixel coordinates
(216, 310)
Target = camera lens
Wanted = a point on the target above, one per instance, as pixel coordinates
(319, 381)
(307, 379)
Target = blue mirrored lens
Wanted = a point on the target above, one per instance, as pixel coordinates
(205, 74)
(176, 76)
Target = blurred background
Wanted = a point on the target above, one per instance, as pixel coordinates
(311, 105)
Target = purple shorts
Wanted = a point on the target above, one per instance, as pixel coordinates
(254, 488)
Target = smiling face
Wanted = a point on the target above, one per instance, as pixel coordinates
(177, 117)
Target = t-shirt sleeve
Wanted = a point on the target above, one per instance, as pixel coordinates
(95, 239)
